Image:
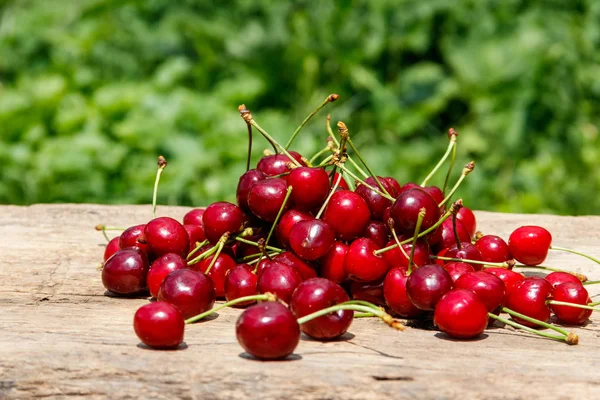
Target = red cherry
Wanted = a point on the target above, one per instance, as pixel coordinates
(493, 249)
(266, 198)
(368, 291)
(509, 277)
(268, 331)
(461, 314)
(219, 270)
(305, 270)
(287, 222)
(396, 258)
(434, 192)
(396, 297)
(348, 214)
(111, 248)
(279, 279)
(376, 202)
(362, 264)
(159, 325)
(396, 188)
(343, 184)
(190, 291)
(222, 217)
(571, 292)
(427, 284)
(130, 236)
(312, 239)
(310, 187)
(332, 265)
(195, 235)
(194, 217)
(458, 269)
(160, 268)
(530, 244)
(377, 232)
(557, 277)
(488, 287)
(466, 216)
(467, 251)
(409, 185)
(240, 282)
(528, 297)
(166, 235)
(277, 163)
(405, 211)
(444, 235)
(316, 294)
(247, 180)
(125, 272)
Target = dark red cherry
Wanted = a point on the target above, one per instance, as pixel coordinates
(461, 314)
(458, 269)
(279, 279)
(272, 165)
(194, 217)
(488, 287)
(219, 270)
(287, 222)
(195, 235)
(377, 232)
(268, 331)
(240, 282)
(396, 187)
(444, 236)
(466, 216)
(311, 239)
(558, 277)
(190, 291)
(305, 270)
(427, 284)
(222, 217)
(160, 268)
(396, 297)
(368, 291)
(166, 235)
(125, 272)
(362, 264)
(528, 297)
(247, 180)
(529, 245)
(376, 202)
(316, 294)
(266, 198)
(332, 265)
(343, 184)
(434, 192)
(310, 187)
(159, 325)
(348, 214)
(405, 211)
(111, 248)
(467, 251)
(396, 258)
(409, 185)
(493, 249)
(571, 292)
(509, 277)
(130, 236)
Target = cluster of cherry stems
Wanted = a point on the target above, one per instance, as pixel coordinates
(313, 244)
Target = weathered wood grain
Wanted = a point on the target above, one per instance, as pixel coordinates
(60, 336)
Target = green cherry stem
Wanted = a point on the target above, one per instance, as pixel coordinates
(534, 321)
(359, 169)
(466, 171)
(355, 150)
(199, 245)
(594, 304)
(331, 192)
(330, 99)
(326, 161)
(575, 252)
(451, 146)
(363, 315)
(162, 164)
(256, 244)
(356, 178)
(330, 131)
(385, 317)
(285, 200)
(256, 297)
(203, 255)
(220, 247)
(395, 236)
(349, 181)
(591, 283)
(319, 154)
(451, 132)
(420, 217)
(103, 228)
(574, 305)
(569, 339)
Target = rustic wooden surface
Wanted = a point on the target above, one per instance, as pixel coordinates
(61, 336)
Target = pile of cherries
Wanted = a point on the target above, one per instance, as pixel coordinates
(311, 245)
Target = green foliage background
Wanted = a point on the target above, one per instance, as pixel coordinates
(91, 91)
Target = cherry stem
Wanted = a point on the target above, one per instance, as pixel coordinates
(355, 177)
(319, 154)
(391, 226)
(385, 317)
(330, 131)
(330, 99)
(369, 169)
(359, 169)
(104, 228)
(162, 164)
(349, 181)
(285, 200)
(514, 324)
(591, 283)
(326, 161)
(451, 132)
(364, 303)
(219, 246)
(466, 171)
(203, 255)
(596, 303)
(451, 146)
(364, 315)
(255, 297)
(574, 305)
(331, 192)
(575, 252)
(455, 231)
(534, 321)
(198, 247)
(422, 212)
(256, 244)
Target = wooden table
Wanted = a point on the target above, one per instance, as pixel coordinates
(61, 336)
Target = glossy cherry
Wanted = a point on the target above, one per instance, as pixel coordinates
(461, 314)
(160, 268)
(467, 251)
(240, 282)
(266, 198)
(194, 217)
(268, 331)
(316, 294)
(111, 248)
(396, 297)
(159, 325)
(458, 269)
(529, 245)
(405, 211)
(444, 236)
(129, 238)
(348, 214)
(310, 187)
(396, 187)
(528, 297)
(434, 192)
(427, 284)
(125, 271)
(493, 249)
(166, 235)
(279, 279)
(466, 216)
(311, 239)
(361, 264)
(509, 277)
(222, 217)
(378, 232)
(247, 180)
(276, 164)
(488, 287)
(571, 292)
(195, 235)
(305, 270)
(190, 291)
(332, 265)
(376, 202)
(342, 185)
(368, 291)
(397, 258)
(287, 222)
(218, 271)
(557, 277)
